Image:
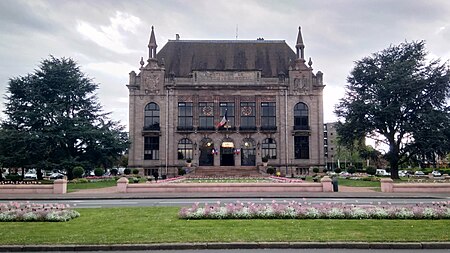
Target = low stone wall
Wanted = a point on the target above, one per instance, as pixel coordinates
(388, 185)
(59, 186)
(324, 186)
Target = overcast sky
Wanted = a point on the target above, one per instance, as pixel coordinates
(107, 38)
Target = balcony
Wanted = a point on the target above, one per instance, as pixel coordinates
(301, 130)
(227, 129)
(206, 128)
(185, 129)
(247, 128)
(152, 128)
(268, 128)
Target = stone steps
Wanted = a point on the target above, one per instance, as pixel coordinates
(230, 171)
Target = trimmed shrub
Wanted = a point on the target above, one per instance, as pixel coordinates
(270, 170)
(325, 170)
(181, 171)
(127, 171)
(114, 172)
(264, 159)
(78, 172)
(99, 172)
(371, 171)
(13, 177)
(338, 170)
(351, 170)
(316, 170)
(135, 171)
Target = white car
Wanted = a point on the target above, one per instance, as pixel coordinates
(419, 173)
(382, 172)
(436, 173)
(31, 174)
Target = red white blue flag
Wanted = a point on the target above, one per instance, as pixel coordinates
(224, 120)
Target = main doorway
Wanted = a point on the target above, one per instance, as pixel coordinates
(206, 153)
(248, 155)
(227, 153)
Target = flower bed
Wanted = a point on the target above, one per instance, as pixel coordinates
(16, 211)
(297, 210)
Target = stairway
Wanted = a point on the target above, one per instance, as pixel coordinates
(225, 171)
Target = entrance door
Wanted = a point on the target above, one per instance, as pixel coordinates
(248, 153)
(206, 153)
(226, 156)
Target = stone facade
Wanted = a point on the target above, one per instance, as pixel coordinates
(270, 101)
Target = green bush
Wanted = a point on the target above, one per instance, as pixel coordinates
(338, 170)
(264, 159)
(325, 170)
(99, 172)
(351, 170)
(270, 170)
(371, 171)
(127, 171)
(78, 172)
(114, 172)
(13, 177)
(316, 170)
(181, 171)
(135, 171)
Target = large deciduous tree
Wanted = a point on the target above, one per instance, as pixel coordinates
(54, 121)
(398, 97)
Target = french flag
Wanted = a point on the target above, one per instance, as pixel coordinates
(224, 120)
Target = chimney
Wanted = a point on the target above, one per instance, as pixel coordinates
(177, 36)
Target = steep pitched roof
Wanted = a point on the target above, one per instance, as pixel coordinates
(181, 57)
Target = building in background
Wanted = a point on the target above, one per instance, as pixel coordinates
(330, 145)
(226, 104)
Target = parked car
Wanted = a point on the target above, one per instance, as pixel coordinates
(382, 172)
(31, 174)
(419, 173)
(56, 175)
(436, 173)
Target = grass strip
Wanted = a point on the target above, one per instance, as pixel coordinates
(162, 225)
(71, 187)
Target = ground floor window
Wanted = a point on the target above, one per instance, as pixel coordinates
(301, 147)
(185, 149)
(151, 148)
(269, 148)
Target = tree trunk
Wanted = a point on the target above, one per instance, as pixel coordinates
(39, 174)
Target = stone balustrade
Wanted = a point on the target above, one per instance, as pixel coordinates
(324, 186)
(59, 186)
(388, 185)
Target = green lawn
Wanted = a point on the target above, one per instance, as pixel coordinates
(71, 187)
(358, 183)
(161, 224)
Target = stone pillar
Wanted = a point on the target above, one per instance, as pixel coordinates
(122, 185)
(60, 186)
(387, 185)
(327, 186)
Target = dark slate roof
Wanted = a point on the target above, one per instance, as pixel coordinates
(270, 56)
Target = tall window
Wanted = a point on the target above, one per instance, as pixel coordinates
(151, 148)
(248, 116)
(185, 149)
(301, 117)
(268, 115)
(301, 147)
(185, 116)
(269, 148)
(229, 108)
(151, 119)
(206, 112)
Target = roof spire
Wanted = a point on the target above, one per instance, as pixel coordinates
(152, 46)
(300, 46)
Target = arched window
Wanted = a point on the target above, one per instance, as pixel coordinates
(151, 119)
(269, 148)
(185, 149)
(301, 121)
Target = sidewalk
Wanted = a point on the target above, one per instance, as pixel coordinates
(111, 193)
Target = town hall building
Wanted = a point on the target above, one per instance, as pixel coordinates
(225, 106)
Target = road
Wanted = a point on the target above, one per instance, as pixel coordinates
(101, 203)
(285, 251)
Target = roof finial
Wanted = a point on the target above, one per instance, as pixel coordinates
(300, 46)
(152, 45)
